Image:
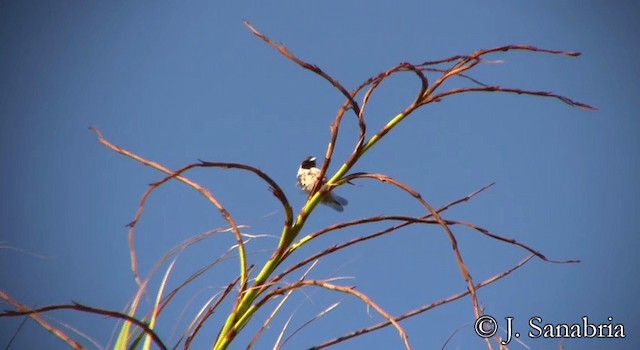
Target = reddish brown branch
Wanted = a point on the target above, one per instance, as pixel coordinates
(505, 48)
(406, 221)
(463, 76)
(421, 309)
(348, 290)
(273, 186)
(92, 310)
(167, 299)
(570, 102)
(464, 270)
(351, 102)
(283, 50)
(511, 241)
(371, 236)
(194, 185)
(46, 325)
(209, 313)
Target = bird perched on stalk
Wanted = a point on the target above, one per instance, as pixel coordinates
(307, 176)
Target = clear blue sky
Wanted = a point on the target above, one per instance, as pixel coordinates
(177, 82)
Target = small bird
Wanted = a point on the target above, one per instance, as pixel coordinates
(307, 176)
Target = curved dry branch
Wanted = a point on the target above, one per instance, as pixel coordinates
(374, 83)
(164, 302)
(468, 62)
(50, 328)
(464, 270)
(358, 222)
(348, 290)
(463, 76)
(421, 309)
(335, 126)
(273, 186)
(504, 48)
(350, 96)
(406, 221)
(402, 67)
(274, 312)
(570, 102)
(463, 63)
(209, 312)
(88, 309)
(312, 67)
(511, 241)
(197, 187)
(166, 299)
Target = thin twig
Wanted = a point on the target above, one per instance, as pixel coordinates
(348, 290)
(197, 187)
(84, 308)
(421, 309)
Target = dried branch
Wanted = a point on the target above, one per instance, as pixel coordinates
(310, 321)
(351, 102)
(275, 311)
(348, 290)
(209, 313)
(406, 221)
(421, 309)
(312, 67)
(464, 270)
(88, 309)
(27, 311)
(273, 186)
(564, 99)
(197, 187)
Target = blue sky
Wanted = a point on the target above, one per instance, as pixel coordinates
(175, 83)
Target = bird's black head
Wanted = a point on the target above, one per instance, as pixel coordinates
(308, 163)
